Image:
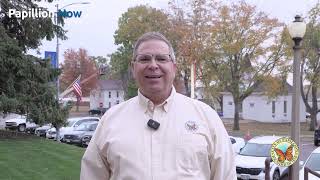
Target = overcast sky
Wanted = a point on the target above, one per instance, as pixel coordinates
(95, 29)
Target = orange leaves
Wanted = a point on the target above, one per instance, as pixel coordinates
(76, 63)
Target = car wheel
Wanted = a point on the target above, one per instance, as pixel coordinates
(22, 128)
(276, 175)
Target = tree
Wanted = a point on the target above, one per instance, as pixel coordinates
(26, 81)
(102, 64)
(310, 65)
(189, 35)
(28, 32)
(245, 47)
(131, 25)
(76, 63)
(25, 84)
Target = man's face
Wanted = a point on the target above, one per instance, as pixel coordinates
(154, 78)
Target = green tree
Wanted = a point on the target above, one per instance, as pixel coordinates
(28, 32)
(132, 24)
(26, 81)
(25, 84)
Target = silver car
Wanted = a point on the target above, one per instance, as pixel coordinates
(81, 133)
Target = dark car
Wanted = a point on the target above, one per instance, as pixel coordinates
(80, 134)
(316, 137)
(97, 111)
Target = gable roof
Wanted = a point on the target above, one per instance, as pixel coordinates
(110, 84)
(262, 88)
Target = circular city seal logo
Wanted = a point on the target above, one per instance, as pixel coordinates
(284, 152)
(191, 126)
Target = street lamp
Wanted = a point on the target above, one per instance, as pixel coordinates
(297, 30)
(57, 47)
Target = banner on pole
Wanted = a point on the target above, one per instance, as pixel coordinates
(53, 58)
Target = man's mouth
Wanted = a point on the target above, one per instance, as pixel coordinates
(153, 76)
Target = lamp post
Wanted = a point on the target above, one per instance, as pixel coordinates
(57, 46)
(297, 30)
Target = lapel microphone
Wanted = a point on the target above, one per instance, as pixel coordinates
(153, 124)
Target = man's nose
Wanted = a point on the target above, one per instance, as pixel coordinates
(153, 64)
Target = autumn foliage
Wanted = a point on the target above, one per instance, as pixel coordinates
(76, 63)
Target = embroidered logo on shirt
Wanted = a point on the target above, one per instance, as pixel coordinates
(191, 126)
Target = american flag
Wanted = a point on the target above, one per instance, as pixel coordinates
(77, 88)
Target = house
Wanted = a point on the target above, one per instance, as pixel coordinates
(261, 108)
(107, 94)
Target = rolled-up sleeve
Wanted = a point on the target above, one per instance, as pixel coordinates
(94, 166)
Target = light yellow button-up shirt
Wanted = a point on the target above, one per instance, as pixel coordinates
(190, 144)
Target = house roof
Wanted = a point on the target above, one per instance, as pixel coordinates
(262, 88)
(110, 84)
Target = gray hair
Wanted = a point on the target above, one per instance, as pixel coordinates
(153, 36)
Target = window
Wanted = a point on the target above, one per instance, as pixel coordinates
(109, 94)
(273, 107)
(251, 104)
(285, 107)
(229, 103)
(118, 94)
(109, 104)
(240, 108)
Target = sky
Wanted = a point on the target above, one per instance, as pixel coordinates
(99, 20)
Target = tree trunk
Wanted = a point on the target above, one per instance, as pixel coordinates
(313, 116)
(236, 114)
(78, 103)
(186, 85)
(314, 108)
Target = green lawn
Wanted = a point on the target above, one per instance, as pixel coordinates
(39, 159)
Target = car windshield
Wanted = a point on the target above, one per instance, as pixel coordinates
(258, 150)
(86, 127)
(70, 123)
(314, 162)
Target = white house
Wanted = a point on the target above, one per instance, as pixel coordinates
(107, 94)
(259, 107)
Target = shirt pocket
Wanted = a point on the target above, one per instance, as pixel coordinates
(191, 153)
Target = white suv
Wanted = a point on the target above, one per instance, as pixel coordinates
(250, 162)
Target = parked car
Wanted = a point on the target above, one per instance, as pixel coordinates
(72, 123)
(42, 130)
(51, 133)
(21, 124)
(313, 163)
(99, 112)
(250, 162)
(237, 143)
(83, 131)
(316, 137)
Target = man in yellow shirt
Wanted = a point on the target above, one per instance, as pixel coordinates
(159, 134)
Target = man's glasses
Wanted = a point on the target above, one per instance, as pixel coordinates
(147, 58)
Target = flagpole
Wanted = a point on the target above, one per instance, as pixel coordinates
(79, 77)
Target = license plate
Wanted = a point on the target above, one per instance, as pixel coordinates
(68, 140)
(245, 176)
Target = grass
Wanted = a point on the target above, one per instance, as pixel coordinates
(38, 159)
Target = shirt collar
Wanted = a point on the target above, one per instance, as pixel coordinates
(146, 103)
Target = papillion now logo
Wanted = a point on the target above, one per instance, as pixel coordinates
(42, 13)
(69, 14)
